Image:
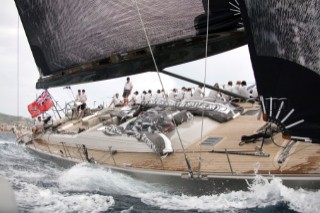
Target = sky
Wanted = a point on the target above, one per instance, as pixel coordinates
(19, 73)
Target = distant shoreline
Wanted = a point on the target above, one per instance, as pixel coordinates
(4, 127)
(7, 122)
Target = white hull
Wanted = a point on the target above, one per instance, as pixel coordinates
(181, 182)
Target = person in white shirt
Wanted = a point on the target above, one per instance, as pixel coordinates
(156, 95)
(229, 89)
(38, 126)
(213, 93)
(138, 99)
(77, 103)
(243, 90)
(133, 100)
(236, 88)
(143, 96)
(83, 100)
(163, 94)
(127, 90)
(173, 94)
(180, 94)
(80, 100)
(188, 93)
(148, 96)
(116, 101)
(198, 92)
(78, 96)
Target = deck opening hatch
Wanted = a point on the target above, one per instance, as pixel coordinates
(211, 141)
(251, 112)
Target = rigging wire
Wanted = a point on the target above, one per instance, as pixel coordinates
(70, 89)
(70, 92)
(166, 98)
(204, 81)
(148, 42)
(18, 67)
(55, 105)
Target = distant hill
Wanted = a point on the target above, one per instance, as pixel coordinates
(10, 119)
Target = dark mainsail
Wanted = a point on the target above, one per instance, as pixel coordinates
(284, 44)
(83, 41)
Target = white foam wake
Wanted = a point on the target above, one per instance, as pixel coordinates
(261, 193)
(38, 199)
(5, 142)
(88, 177)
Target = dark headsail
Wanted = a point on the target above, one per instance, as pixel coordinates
(284, 44)
(82, 41)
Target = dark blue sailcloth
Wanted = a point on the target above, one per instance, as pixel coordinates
(84, 41)
(284, 44)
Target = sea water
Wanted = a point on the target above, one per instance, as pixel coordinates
(43, 186)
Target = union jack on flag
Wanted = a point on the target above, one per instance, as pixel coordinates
(42, 104)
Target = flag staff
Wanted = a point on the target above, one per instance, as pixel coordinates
(55, 103)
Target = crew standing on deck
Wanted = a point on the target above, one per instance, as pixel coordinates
(83, 100)
(77, 101)
(127, 91)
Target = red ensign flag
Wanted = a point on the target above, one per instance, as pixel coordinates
(40, 105)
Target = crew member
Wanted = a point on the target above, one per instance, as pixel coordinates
(127, 90)
(116, 101)
(38, 126)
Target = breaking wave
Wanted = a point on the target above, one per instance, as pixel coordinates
(261, 193)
